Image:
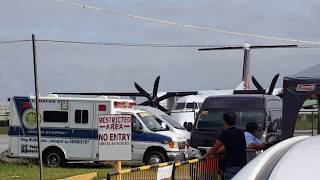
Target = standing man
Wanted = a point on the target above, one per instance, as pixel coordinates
(235, 146)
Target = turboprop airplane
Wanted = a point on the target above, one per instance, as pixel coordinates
(190, 101)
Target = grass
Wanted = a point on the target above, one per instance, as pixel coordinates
(4, 130)
(31, 171)
(305, 126)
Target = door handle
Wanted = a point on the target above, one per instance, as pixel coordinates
(66, 126)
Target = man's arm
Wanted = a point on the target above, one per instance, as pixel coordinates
(217, 145)
(257, 146)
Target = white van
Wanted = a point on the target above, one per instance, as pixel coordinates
(179, 131)
(173, 129)
(186, 108)
(70, 130)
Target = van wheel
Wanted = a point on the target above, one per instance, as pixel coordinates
(155, 157)
(53, 157)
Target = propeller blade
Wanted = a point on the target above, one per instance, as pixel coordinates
(155, 87)
(146, 103)
(256, 83)
(273, 83)
(142, 91)
(166, 96)
(162, 108)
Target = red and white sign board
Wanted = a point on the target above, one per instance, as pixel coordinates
(305, 87)
(114, 135)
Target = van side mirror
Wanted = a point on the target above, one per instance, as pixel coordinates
(163, 125)
(189, 126)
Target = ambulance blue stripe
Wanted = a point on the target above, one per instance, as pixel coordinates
(82, 133)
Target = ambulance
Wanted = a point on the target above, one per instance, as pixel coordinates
(69, 130)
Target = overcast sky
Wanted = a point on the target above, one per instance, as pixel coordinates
(65, 67)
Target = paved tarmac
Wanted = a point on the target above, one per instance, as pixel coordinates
(4, 140)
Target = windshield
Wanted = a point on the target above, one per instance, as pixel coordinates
(171, 121)
(213, 119)
(150, 122)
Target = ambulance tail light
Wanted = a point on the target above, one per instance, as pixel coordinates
(102, 107)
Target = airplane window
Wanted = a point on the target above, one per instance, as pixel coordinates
(179, 106)
(192, 105)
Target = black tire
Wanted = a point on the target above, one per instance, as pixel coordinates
(53, 157)
(154, 157)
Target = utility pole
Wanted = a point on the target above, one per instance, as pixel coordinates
(37, 104)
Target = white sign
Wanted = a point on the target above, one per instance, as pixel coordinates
(164, 172)
(306, 87)
(114, 137)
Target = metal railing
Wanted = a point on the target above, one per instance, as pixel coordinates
(307, 122)
(196, 169)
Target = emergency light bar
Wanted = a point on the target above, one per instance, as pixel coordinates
(123, 104)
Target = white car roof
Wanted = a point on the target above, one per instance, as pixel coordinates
(300, 162)
(281, 161)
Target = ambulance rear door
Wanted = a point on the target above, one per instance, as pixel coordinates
(82, 133)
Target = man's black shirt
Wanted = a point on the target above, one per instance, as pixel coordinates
(235, 147)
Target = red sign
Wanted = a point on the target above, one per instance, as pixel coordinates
(305, 87)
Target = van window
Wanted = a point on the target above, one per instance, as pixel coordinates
(55, 116)
(81, 116)
(136, 126)
(213, 119)
(192, 106)
(160, 121)
(150, 122)
(179, 106)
